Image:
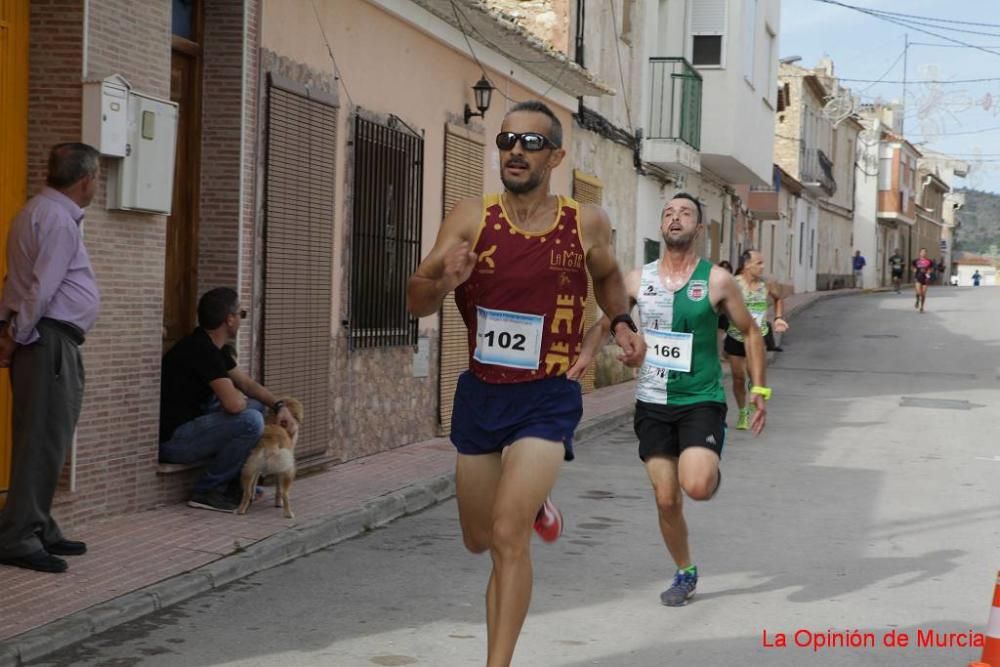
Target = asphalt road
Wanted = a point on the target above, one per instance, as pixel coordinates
(871, 503)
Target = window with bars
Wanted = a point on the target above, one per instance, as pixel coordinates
(386, 232)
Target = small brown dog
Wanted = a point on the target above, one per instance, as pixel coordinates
(273, 455)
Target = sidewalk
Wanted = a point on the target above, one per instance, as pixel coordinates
(140, 563)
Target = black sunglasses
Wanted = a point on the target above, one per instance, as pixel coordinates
(530, 141)
(242, 314)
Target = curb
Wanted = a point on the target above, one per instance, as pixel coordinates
(279, 548)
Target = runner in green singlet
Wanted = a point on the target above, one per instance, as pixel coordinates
(680, 416)
(756, 292)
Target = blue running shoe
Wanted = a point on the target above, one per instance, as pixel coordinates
(682, 589)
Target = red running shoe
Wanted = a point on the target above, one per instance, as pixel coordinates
(549, 522)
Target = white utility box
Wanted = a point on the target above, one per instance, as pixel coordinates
(105, 115)
(144, 179)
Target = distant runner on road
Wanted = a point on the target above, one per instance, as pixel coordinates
(923, 275)
(896, 263)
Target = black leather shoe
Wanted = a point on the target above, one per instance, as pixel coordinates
(66, 548)
(40, 561)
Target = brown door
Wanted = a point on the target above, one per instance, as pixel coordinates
(180, 296)
(13, 167)
(714, 231)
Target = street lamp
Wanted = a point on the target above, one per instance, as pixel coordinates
(483, 91)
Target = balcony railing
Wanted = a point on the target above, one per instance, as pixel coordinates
(818, 168)
(675, 101)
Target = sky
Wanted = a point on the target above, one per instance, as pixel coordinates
(961, 119)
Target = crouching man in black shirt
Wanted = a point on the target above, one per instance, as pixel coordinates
(209, 409)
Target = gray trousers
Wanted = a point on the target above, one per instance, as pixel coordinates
(47, 383)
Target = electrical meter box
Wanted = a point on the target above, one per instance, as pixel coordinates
(143, 180)
(105, 115)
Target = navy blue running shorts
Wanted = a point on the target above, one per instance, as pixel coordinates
(488, 417)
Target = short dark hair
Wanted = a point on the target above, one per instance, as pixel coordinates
(215, 306)
(555, 132)
(70, 162)
(690, 198)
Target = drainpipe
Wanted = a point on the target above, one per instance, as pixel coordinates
(581, 20)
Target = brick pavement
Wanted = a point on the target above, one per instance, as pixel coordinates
(131, 552)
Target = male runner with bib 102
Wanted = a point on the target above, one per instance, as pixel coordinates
(518, 262)
(680, 414)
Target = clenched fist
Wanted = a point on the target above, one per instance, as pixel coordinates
(633, 347)
(458, 265)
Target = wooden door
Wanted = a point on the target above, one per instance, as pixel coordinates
(13, 168)
(180, 295)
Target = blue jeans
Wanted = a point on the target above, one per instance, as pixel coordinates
(224, 438)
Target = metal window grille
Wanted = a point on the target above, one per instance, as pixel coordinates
(386, 232)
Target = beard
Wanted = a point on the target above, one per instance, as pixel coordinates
(682, 241)
(520, 187)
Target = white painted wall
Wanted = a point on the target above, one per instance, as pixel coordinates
(650, 197)
(866, 233)
(804, 250)
(737, 114)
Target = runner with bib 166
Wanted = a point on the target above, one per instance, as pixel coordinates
(680, 412)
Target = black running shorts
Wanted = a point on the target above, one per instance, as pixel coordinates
(736, 348)
(667, 430)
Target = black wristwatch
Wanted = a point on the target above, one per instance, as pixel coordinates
(277, 406)
(627, 319)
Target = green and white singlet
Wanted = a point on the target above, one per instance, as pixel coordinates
(756, 302)
(682, 357)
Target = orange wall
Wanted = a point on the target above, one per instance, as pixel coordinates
(888, 201)
(389, 66)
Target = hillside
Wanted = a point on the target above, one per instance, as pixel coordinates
(980, 222)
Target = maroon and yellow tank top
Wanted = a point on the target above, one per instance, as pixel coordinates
(524, 302)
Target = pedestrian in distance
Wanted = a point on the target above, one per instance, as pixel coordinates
(680, 417)
(923, 276)
(858, 265)
(518, 264)
(50, 301)
(896, 263)
(976, 278)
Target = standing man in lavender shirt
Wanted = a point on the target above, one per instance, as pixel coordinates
(50, 300)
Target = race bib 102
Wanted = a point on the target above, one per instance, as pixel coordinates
(669, 349)
(505, 338)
